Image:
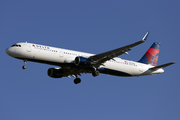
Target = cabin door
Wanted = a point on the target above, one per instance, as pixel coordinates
(28, 47)
(61, 53)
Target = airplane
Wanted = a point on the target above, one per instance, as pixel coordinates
(74, 63)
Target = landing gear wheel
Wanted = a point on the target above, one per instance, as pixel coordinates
(77, 80)
(25, 62)
(95, 73)
(24, 67)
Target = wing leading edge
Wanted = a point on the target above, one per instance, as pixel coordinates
(99, 59)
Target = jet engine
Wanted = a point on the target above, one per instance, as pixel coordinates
(55, 73)
(82, 61)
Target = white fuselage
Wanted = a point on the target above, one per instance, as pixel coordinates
(62, 57)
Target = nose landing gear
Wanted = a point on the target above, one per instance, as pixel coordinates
(25, 62)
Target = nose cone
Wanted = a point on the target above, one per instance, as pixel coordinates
(9, 51)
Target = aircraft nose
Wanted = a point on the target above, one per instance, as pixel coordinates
(9, 51)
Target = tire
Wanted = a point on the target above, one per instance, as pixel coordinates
(77, 80)
(95, 73)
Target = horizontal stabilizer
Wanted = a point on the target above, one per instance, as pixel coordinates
(161, 66)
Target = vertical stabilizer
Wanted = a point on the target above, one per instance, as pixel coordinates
(151, 56)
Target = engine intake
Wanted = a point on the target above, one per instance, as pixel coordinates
(82, 61)
(55, 73)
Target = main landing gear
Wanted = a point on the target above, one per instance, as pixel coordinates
(77, 80)
(25, 62)
(95, 73)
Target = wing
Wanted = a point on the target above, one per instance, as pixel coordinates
(99, 59)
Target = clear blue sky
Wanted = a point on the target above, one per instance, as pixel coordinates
(91, 26)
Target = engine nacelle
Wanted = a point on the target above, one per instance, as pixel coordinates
(82, 61)
(55, 73)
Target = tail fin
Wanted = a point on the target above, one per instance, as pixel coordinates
(151, 56)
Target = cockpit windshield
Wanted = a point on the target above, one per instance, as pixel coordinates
(16, 45)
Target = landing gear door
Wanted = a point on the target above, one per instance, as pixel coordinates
(61, 53)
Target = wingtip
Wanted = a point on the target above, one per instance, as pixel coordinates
(145, 37)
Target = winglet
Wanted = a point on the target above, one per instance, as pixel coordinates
(145, 37)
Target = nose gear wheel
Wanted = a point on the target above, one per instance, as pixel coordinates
(25, 62)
